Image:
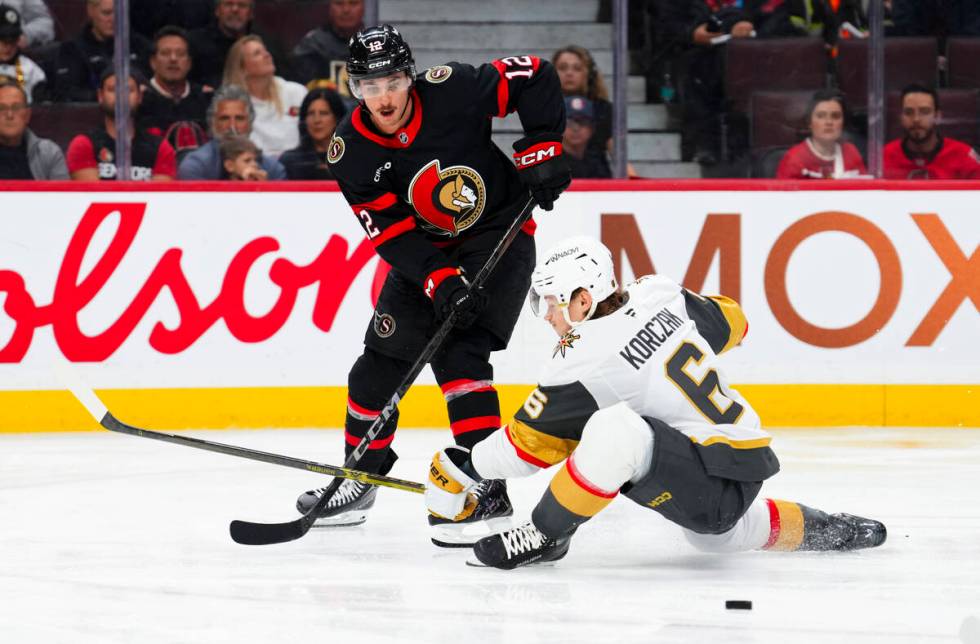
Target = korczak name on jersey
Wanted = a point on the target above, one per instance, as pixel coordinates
(647, 340)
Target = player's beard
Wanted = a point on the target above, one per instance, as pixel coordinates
(921, 135)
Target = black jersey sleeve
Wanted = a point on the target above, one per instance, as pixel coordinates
(719, 319)
(548, 427)
(390, 224)
(526, 84)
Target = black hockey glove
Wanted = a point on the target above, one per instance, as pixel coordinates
(542, 167)
(454, 295)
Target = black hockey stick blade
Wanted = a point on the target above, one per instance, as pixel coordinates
(249, 533)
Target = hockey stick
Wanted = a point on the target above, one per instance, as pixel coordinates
(249, 533)
(104, 417)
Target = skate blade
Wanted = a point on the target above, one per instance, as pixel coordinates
(345, 520)
(464, 535)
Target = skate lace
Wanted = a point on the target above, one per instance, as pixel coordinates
(522, 539)
(347, 492)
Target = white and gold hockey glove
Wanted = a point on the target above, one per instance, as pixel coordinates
(447, 492)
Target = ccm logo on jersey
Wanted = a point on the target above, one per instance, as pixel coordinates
(537, 154)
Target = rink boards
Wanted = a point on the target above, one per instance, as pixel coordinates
(201, 305)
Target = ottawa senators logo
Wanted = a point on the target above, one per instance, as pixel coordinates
(438, 74)
(335, 150)
(448, 201)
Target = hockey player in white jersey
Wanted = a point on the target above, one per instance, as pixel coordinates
(634, 403)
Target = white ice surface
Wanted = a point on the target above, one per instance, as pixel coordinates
(107, 538)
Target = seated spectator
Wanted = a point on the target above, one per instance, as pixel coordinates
(22, 154)
(276, 101)
(91, 157)
(704, 25)
(14, 64)
(36, 20)
(230, 114)
(922, 153)
(239, 159)
(81, 62)
(170, 97)
(322, 52)
(210, 45)
(584, 162)
(580, 77)
(824, 154)
(319, 114)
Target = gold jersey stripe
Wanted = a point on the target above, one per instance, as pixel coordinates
(790, 526)
(749, 443)
(544, 447)
(573, 497)
(737, 323)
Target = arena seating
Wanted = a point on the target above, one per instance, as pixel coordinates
(907, 60)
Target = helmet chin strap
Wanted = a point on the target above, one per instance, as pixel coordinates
(592, 307)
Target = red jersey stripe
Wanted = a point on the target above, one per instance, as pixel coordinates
(387, 200)
(394, 230)
(364, 411)
(381, 443)
(584, 483)
(475, 423)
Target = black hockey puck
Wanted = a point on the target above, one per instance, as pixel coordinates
(738, 604)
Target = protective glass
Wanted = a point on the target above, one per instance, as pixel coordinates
(375, 87)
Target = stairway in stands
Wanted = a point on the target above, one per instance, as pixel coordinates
(477, 31)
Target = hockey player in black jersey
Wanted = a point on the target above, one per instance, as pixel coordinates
(415, 161)
(634, 402)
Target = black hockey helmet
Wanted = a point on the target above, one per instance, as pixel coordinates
(378, 51)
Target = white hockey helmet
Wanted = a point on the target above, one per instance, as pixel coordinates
(575, 262)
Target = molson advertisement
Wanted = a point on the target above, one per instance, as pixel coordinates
(189, 306)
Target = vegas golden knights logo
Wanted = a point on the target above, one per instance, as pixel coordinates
(448, 201)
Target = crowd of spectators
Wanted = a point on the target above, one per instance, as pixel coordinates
(205, 75)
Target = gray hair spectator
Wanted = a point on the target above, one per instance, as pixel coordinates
(23, 155)
(276, 100)
(321, 53)
(583, 160)
(230, 114)
(37, 22)
(80, 62)
(14, 64)
(239, 159)
(92, 156)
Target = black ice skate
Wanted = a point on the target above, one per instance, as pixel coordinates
(520, 546)
(492, 513)
(849, 532)
(347, 507)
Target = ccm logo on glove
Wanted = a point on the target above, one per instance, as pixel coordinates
(538, 154)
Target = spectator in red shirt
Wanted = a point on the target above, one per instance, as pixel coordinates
(922, 153)
(824, 154)
(91, 157)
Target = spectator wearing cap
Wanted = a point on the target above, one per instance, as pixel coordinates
(81, 62)
(583, 160)
(922, 153)
(319, 115)
(38, 27)
(91, 156)
(14, 64)
(322, 52)
(210, 45)
(23, 155)
(230, 114)
(170, 97)
(276, 101)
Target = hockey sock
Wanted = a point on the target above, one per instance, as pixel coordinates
(794, 526)
(569, 501)
(474, 410)
(379, 456)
